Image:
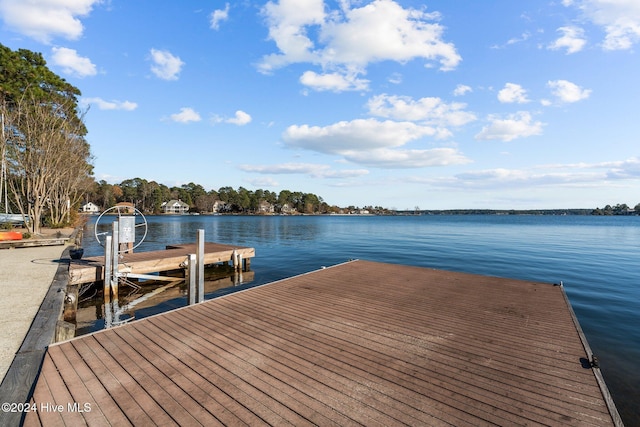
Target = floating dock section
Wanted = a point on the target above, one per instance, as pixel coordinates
(358, 343)
(173, 258)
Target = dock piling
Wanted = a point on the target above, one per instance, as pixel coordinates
(107, 269)
(115, 252)
(200, 265)
(191, 278)
(236, 259)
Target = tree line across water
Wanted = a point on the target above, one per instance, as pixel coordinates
(149, 196)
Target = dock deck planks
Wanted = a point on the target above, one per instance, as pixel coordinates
(358, 343)
(91, 269)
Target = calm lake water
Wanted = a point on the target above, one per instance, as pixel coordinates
(596, 258)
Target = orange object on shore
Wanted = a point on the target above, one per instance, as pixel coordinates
(10, 235)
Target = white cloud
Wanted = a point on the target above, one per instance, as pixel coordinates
(395, 78)
(512, 41)
(264, 182)
(400, 159)
(218, 16)
(310, 169)
(186, 115)
(430, 110)
(526, 178)
(516, 125)
(626, 169)
(43, 20)
(72, 63)
(240, 118)
(568, 92)
(524, 37)
(383, 30)
(356, 135)
(572, 39)
(513, 93)
(461, 90)
(614, 170)
(372, 142)
(110, 105)
(350, 39)
(288, 22)
(581, 175)
(165, 65)
(333, 81)
(620, 19)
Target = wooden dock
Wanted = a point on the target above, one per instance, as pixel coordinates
(92, 269)
(360, 343)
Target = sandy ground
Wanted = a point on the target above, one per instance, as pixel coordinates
(25, 277)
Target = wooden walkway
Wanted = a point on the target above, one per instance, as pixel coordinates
(92, 269)
(360, 343)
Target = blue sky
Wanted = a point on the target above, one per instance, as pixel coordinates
(437, 104)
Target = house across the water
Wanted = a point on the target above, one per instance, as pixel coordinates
(90, 207)
(175, 207)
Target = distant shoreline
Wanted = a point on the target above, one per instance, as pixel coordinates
(411, 212)
(589, 212)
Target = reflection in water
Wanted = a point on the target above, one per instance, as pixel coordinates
(238, 230)
(138, 300)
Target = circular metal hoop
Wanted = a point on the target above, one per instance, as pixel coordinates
(120, 210)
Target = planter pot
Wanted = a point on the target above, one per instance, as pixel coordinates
(76, 253)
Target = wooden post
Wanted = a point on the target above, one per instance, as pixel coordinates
(200, 265)
(70, 303)
(191, 278)
(234, 259)
(64, 331)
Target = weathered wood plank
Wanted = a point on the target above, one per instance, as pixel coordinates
(44, 414)
(18, 383)
(170, 395)
(131, 399)
(60, 403)
(283, 365)
(84, 386)
(203, 386)
(261, 389)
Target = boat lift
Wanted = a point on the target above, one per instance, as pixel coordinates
(123, 240)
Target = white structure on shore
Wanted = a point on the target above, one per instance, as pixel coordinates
(89, 207)
(175, 207)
